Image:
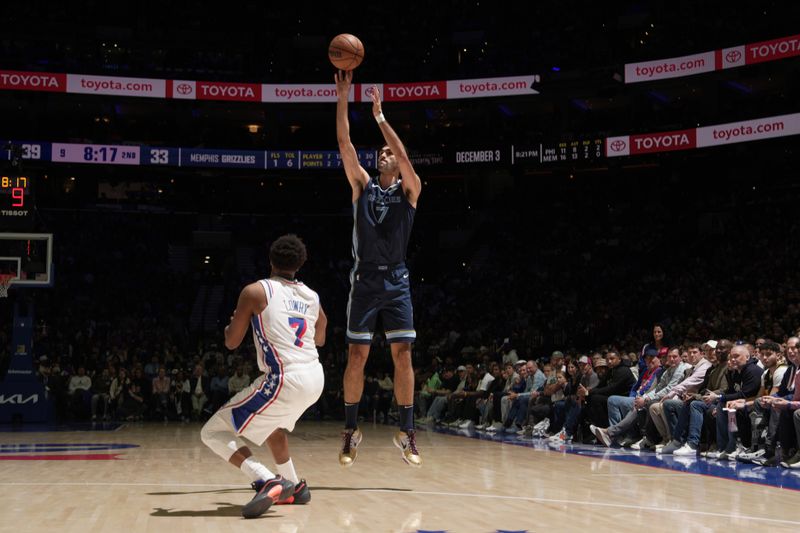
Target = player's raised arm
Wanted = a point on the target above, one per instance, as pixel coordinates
(356, 174)
(252, 300)
(319, 332)
(412, 185)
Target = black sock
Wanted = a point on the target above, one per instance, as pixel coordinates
(406, 415)
(350, 415)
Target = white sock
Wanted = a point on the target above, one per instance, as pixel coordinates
(255, 470)
(287, 471)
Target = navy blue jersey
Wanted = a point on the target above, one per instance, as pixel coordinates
(382, 224)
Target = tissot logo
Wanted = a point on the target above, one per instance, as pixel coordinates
(184, 88)
(618, 146)
(733, 56)
(18, 399)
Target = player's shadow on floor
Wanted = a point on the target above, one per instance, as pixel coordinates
(224, 509)
(312, 489)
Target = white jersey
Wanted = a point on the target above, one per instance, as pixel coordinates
(284, 331)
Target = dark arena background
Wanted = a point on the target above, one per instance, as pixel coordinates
(592, 173)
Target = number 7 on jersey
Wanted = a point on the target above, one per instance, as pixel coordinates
(299, 327)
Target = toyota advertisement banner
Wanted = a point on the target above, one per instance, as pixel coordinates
(735, 56)
(266, 92)
(717, 135)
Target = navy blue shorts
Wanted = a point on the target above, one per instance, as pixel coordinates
(384, 292)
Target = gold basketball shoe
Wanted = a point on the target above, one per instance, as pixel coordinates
(350, 441)
(407, 442)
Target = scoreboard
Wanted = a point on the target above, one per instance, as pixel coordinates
(133, 155)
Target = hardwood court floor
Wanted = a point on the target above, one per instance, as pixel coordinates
(171, 482)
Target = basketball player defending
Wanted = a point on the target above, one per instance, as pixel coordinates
(383, 212)
(287, 323)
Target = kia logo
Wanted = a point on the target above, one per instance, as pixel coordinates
(184, 88)
(733, 56)
(618, 145)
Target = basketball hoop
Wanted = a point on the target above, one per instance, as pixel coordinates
(5, 283)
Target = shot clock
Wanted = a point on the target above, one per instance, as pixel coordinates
(16, 202)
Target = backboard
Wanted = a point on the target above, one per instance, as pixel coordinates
(29, 256)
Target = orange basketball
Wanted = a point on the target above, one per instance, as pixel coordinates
(346, 51)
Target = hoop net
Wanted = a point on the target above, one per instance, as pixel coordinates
(5, 283)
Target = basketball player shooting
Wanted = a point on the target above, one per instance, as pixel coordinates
(383, 211)
(288, 323)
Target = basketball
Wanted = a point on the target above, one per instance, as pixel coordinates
(346, 51)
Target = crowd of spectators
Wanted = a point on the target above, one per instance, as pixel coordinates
(583, 271)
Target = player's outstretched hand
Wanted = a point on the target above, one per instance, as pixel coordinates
(343, 79)
(375, 94)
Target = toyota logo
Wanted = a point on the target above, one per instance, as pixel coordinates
(184, 88)
(733, 56)
(618, 145)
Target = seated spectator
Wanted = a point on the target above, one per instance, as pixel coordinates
(238, 381)
(619, 381)
(743, 385)
(432, 383)
(101, 385)
(774, 370)
(663, 415)
(485, 403)
(460, 401)
(132, 402)
(118, 385)
(687, 432)
(80, 391)
(569, 382)
(781, 424)
(161, 389)
(450, 384)
(385, 395)
(620, 406)
(627, 408)
(199, 387)
(494, 413)
(180, 397)
(218, 389)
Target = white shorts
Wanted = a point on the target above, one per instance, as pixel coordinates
(272, 402)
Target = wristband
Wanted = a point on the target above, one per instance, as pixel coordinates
(380, 118)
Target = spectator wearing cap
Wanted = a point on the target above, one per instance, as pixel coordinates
(557, 362)
(467, 382)
(664, 414)
(589, 378)
(619, 381)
